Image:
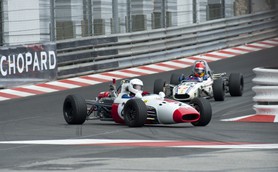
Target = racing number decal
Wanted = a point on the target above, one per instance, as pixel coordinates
(182, 90)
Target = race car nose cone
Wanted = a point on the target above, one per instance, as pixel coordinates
(183, 114)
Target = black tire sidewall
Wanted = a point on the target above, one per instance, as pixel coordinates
(140, 113)
(204, 108)
(78, 107)
(174, 80)
(159, 85)
(218, 89)
(236, 84)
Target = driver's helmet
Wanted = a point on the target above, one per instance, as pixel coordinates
(135, 86)
(199, 69)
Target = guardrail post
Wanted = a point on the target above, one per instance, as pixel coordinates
(266, 90)
(52, 21)
(115, 16)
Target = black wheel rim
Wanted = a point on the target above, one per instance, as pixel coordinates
(130, 113)
(197, 107)
(68, 111)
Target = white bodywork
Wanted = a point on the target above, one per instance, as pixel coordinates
(167, 110)
(189, 89)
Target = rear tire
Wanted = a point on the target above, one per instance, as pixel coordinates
(159, 85)
(236, 84)
(135, 113)
(204, 108)
(174, 80)
(218, 88)
(75, 109)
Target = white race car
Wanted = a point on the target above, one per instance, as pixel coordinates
(215, 86)
(136, 111)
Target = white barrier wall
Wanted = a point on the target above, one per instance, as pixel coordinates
(266, 90)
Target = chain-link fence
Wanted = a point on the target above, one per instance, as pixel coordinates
(36, 21)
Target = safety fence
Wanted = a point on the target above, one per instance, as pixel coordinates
(266, 90)
(97, 54)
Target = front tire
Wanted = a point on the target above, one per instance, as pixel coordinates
(204, 108)
(218, 88)
(135, 113)
(174, 80)
(236, 84)
(75, 109)
(159, 85)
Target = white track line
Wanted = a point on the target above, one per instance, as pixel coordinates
(207, 145)
(78, 141)
(245, 146)
(237, 118)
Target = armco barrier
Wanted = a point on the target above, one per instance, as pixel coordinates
(103, 53)
(266, 90)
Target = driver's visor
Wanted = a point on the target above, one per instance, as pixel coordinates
(199, 70)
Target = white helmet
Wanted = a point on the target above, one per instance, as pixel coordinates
(135, 86)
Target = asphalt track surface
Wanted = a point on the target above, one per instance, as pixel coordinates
(40, 118)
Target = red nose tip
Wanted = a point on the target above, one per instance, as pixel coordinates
(183, 114)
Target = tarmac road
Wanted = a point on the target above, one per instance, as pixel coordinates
(40, 118)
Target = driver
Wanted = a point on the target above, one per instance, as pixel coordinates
(131, 88)
(200, 71)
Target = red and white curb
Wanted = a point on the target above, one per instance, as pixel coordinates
(149, 143)
(255, 118)
(65, 84)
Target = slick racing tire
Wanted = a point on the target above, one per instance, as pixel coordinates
(159, 85)
(75, 109)
(218, 88)
(174, 80)
(236, 84)
(203, 106)
(135, 113)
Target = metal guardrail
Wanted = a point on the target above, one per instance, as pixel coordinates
(266, 90)
(98, 54)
